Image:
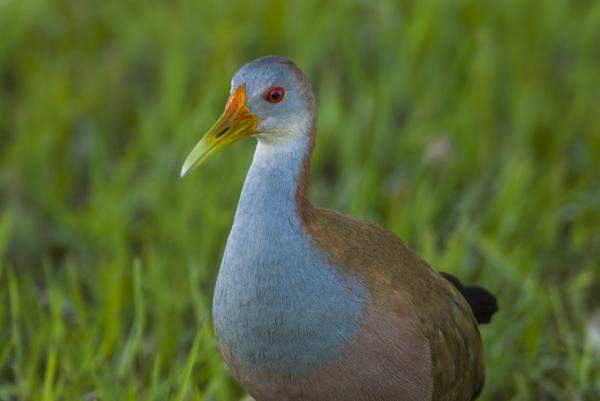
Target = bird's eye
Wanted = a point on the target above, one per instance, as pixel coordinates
(275, 95)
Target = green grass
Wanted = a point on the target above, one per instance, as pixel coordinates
(471, 129)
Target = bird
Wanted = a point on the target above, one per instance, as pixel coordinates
(314, 305)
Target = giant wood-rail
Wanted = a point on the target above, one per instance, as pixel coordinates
(315, 305)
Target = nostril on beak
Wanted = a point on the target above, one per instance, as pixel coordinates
(223, 131)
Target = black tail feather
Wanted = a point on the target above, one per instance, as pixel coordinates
(483, 303)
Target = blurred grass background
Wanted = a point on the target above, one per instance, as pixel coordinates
(470, 129)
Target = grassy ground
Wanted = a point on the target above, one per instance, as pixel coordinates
(471, 129)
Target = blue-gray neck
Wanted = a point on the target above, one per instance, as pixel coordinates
(278, 305)
(272, 180)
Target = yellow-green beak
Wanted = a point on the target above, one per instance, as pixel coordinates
(237, 122)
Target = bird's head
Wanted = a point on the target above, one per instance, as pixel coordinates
(270, 99)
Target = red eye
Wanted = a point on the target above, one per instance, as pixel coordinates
(275, 95)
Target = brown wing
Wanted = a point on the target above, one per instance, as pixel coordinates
(386, 265)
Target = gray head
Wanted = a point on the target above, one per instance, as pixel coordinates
(279, 93)
(271, 99)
